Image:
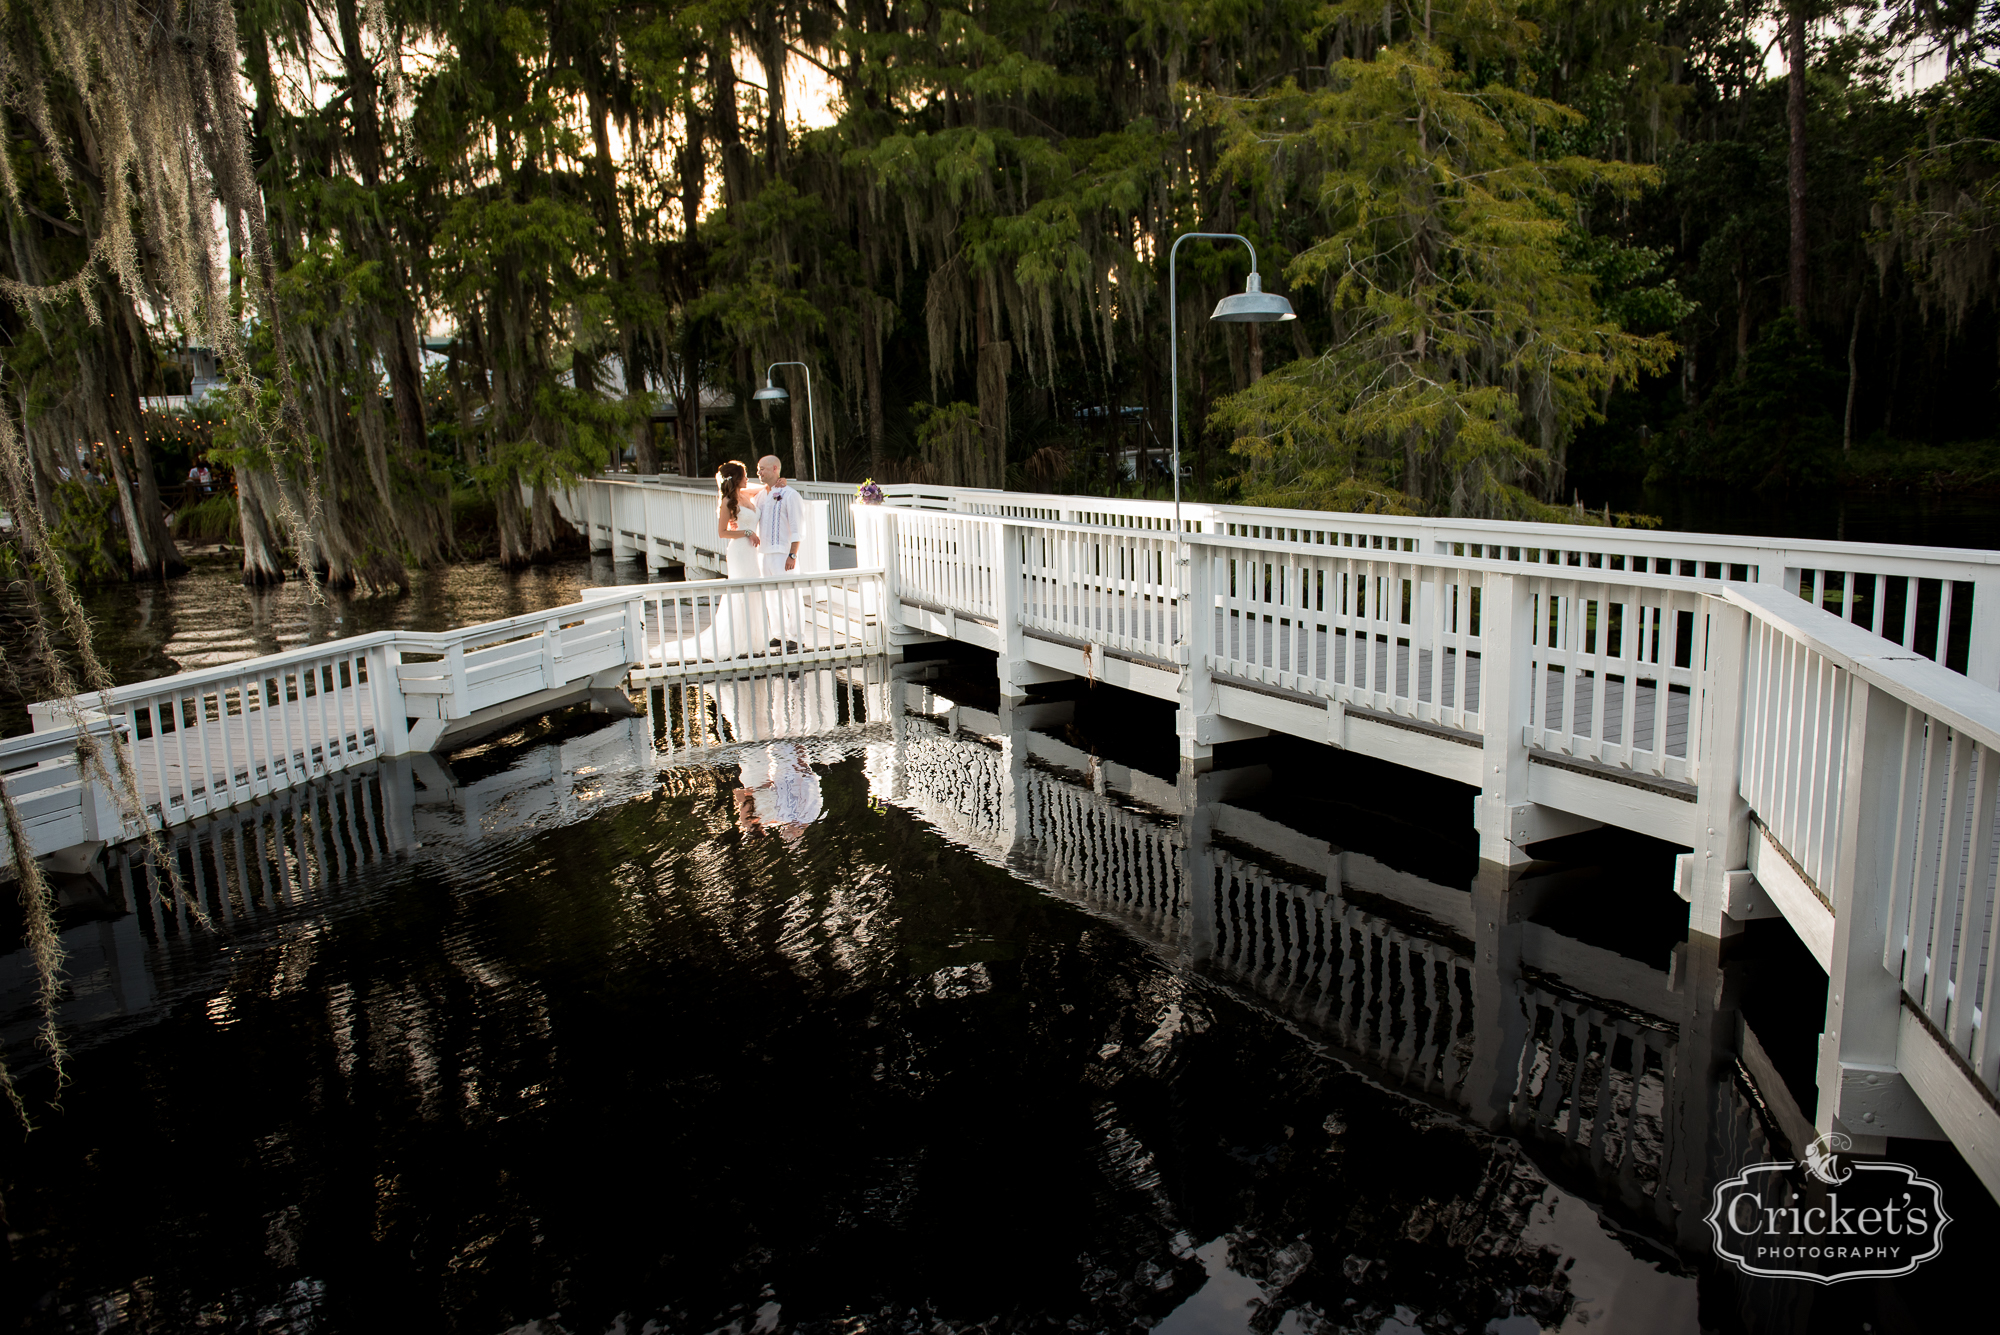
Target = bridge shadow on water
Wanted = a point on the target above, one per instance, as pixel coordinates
(862, 1001)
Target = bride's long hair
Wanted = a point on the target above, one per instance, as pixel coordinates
(729, 481)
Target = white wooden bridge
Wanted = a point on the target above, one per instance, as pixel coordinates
(1816, 722)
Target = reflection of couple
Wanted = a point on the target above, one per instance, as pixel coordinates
(763, 523)
(779, 790)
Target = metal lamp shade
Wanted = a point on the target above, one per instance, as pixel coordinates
(770, 394)
(1253, 306)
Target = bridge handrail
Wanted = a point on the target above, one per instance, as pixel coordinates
(1441, 529)
(34, 748)
(1410, 525)
(192, 681)
(1876, 773)
(1947, 696)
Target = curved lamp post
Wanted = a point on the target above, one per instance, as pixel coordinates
(1253, 305)
(773, 393)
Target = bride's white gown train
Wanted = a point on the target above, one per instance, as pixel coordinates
(736, 619)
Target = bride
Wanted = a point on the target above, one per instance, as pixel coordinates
(736, 523)
(736, 520)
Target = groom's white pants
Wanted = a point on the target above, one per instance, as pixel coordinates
(781, 609)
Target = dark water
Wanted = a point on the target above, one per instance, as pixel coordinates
(841, 1005)
(1921, 518)
(207, 617)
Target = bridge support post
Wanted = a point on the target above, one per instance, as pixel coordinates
(385, 689)
(1500, 910)
(1197, 684)
(879, 548)
(1696, 1131)
(646, 549)
(1016, 672)
(1861, 1091)
(1197, 831)
(1506, 616)
(623, 548)
(1721, 813)
(1982, 662)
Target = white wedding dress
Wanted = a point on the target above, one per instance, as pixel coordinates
(741, 555)
(733, 629)
(739, 621)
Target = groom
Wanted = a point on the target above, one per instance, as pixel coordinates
(781, 523)
(781, 520)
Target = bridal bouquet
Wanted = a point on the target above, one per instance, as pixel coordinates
(869, 492)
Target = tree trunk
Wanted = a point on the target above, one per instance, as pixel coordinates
(871, 370)
(542, 527)
(728, 126)
(256, 500)
(425, 519)
(996, 357)
(801, 424)
(1743, 325)
(108, 356)
(511, 516)
(1795, 118)
(1853, 375)
(646, 455)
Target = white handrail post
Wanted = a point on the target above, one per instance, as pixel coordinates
(1722, 827)
(1506, 630)
(458, 705)
(889, 548)
(1007, 603)
(1857, 1053)
(635, 632)
(1195, 651)
(686, 535)
(1982, 662)
(616, 499)
(552, 652)
(646, 557)
(392, 725)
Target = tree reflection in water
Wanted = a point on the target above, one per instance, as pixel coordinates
(1011, 1035)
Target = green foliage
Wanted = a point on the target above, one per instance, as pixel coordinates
(1467, 340)
(210, 520)
(1775, 424)
(87, 534)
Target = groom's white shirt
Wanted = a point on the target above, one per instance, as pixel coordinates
(780, 523)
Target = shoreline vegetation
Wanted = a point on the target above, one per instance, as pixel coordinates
(1540, 257)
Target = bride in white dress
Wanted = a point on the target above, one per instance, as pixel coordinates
(736, 522)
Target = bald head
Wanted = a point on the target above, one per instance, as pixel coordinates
(769, 472)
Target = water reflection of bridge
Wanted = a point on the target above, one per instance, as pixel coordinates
(1622, 1077)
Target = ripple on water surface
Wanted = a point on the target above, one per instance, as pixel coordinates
(206, 617)
(898, 1024)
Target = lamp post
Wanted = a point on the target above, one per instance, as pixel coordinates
(1253, 305)
(773, 393)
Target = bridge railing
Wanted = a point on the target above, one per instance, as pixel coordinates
(692, 627)
(1114, 588)
(1876, 775)
(1608, 665)
(671, 520)
(1942, 603)
(201, 742)
(51, 788)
